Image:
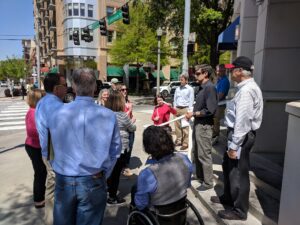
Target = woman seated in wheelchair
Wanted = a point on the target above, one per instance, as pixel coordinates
(162, 186)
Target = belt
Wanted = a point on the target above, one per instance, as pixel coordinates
(181, 107)
(98, 175)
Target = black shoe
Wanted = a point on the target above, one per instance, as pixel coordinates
(205, 187)
(115, 201)
(220, 200)
(231, 214)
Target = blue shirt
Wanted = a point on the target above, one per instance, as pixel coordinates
(147, 183)
(45, 107)
(223, 86)
(85, 137)
(184, 96)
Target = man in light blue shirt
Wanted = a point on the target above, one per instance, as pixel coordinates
(55, 87)
(86, 146)
(183, 102)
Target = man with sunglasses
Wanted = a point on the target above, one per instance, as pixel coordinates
(204, 110)
(243, 117)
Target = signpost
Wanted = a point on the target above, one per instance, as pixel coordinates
(114, 17)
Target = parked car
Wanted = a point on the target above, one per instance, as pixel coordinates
(3, 83)
(166, 88)
(70, 96)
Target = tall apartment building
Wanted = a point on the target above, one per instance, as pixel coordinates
(55, 22)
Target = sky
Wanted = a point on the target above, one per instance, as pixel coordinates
(16, 18)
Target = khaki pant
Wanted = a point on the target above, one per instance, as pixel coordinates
(218, 116)
(49, 195)
(182, 134)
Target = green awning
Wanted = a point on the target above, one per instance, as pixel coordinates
(115, 71)
(133, 72)
(54, 70)
(174, 74)
(161, 75)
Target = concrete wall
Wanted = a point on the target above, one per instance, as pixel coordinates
(276, 59)
(290, 198)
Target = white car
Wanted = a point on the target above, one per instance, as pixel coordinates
(166, 87)
(3, 84)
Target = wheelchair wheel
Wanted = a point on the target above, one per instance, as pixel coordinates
(141, 218)
(193, 217)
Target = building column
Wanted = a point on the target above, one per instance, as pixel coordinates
(248, 23)
(276, 62)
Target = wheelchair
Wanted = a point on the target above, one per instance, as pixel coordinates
(153, 217)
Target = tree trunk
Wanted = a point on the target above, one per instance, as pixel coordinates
(214, 53)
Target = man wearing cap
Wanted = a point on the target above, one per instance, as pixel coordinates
(203, 112)
(113, 86)
(243, 117)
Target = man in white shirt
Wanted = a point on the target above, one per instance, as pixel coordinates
(183, 102)
(243, 117)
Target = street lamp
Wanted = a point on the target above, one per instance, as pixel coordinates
(159, 33)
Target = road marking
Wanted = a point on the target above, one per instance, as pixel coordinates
(12, 128)
(149, 111)
(13, 118)
(15, 111)
(12, 123)
(11, 114)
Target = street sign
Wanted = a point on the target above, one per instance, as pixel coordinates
(114, 17)
(94, 25)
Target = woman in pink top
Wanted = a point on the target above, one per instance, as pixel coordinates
(33, 149)
(161, 112)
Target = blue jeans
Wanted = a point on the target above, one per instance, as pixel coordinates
(79, 200)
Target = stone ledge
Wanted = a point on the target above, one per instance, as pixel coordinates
(293, 108)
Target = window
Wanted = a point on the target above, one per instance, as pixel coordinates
(110, 35)
(82, 9)
(90, 11)
(109, 11)
(70, 9)
(70, 34)
(75, 9)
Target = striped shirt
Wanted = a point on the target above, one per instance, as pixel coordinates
(125, 125)
(244, 112)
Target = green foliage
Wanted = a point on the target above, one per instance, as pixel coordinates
(90, 64)
(136, 43)
(225, 57)
(201, 56)
(13, 68)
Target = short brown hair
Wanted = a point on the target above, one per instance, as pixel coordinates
(116, 102)
(205, 68)
(34, 96)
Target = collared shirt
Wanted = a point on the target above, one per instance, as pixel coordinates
(85, 137)
(147, 183)
(184, 96)
(244, 112)
(223, 86)
(206, 104)
(45, 107)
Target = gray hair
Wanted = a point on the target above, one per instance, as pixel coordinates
(246, 73)
(184, 76)
(84, 80)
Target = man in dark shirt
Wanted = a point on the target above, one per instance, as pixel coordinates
(204, 110)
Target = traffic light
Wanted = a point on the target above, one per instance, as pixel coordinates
(103, 28)
(76, 37)
(191, 48)
(125, 14)
(86, 35)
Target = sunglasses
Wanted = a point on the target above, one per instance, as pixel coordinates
(124, 89)
(199, 73)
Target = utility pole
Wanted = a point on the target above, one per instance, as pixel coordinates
(187, 12)
(159, 33)
(37, 44)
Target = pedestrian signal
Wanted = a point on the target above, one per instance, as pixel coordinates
(125, 14)
(76, 37)
(103, 28)
(86, 35)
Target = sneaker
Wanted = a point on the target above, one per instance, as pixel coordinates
(115, 201)
(205, 187)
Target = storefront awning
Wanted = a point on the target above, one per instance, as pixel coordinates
(227, 39)
(133, 72)
(115, 71)
(174, 74)
(161, 75)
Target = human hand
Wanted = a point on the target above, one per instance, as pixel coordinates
(189, 115)
(232, 154)
(156, 118)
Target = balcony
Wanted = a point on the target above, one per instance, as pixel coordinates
(46, 15)
(51, 5)
(52, 26)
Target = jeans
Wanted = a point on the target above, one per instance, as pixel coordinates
(79, 200)
(40, 173)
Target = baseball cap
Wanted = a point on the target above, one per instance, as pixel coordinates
(114, 80)
(241, 62)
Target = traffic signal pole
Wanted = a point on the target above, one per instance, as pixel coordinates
(159, 34)
(187, 12)
(37, 47)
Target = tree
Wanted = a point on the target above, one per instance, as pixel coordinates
(208, 19)
(13, 68)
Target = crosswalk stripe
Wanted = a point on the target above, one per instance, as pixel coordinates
(12, 128)
(12, 114)
(14, 111)
(12, 118)
(12, 123)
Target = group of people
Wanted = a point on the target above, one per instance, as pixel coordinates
(81, 148)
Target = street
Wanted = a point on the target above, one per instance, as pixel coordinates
(16, 204)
